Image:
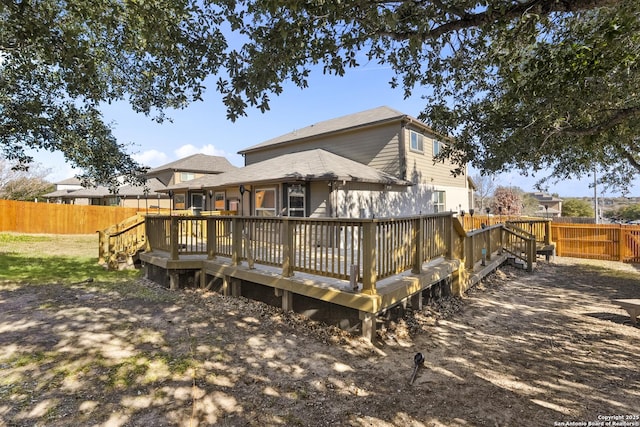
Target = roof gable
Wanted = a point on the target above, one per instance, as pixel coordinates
(365, 118)
(196, 163)
(311, 165)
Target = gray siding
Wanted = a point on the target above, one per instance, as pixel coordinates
(377, 147)
(422, 170)
(319, 204)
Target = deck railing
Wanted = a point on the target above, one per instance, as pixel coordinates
(123, 239)
(370, 249)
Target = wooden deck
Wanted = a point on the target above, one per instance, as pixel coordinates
(361, 266)
(406, 288)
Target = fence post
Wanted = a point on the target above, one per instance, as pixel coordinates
(369, 267)
(173, 237)
(212, 238)
(287, 248)
(418, 245)
(236, 249)
(622, 242)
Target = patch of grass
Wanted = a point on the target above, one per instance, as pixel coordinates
(24, 359)
(7, 238)
(23, 268)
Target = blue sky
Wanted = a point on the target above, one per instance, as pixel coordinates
(203, 127)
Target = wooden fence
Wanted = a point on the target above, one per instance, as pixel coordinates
(51, 218)
(612, 242)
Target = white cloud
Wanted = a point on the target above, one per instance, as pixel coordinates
(151, 158)
(190, 149)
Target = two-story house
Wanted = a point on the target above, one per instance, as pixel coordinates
(378, 162)
(150, 195)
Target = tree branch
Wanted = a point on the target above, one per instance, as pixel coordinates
(619, 117)
(469, 20)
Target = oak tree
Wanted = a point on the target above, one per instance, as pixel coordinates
(530, 84)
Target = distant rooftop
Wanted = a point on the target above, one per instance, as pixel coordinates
(196, 163)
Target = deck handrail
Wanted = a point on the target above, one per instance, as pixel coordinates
(122, 239)
(372, 248)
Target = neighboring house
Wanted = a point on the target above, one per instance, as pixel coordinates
(548, 206)
(148, 196)
(377, 162)
(188, 169)
(63, 188)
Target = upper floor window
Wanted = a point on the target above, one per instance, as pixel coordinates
(417, 143)
(187, 176)
(437, 146)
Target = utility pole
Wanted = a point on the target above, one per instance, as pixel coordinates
(595, 195)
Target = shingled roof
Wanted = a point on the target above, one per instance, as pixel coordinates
(196, 163)
(311, 165)
(365, 118)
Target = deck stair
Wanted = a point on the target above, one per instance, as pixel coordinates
(120, 244)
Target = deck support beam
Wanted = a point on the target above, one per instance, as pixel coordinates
(287, 298)
(174, 280)
(236, 287)
(368, 325)
(416, 301)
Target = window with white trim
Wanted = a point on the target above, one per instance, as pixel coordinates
(437, 146)
(265, 201)
(438, 198)
(417, 141)
(187, 176)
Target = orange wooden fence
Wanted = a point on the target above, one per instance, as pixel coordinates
(613, 242)
(51, 218)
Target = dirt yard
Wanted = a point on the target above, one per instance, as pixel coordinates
(541, 349)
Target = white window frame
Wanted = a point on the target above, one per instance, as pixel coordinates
(439, 200)
(418, 147)
(262, 211)
(437, 147)
(187, 176)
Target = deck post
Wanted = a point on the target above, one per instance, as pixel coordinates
(236, 250)
(287, 300)
(212, 238)
(531, 253)
(287, 248)
(102, 242)
(226, 288)
(174, 280)
(368, 325)
(236, 287)
(418, 245)
(369, 267)
(416, 301)
(547, 232)
(470, 256)
(173, 239)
